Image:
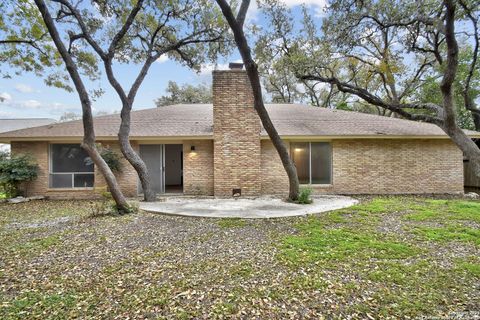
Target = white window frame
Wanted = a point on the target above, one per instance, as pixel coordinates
(310, 162)
(50, 171)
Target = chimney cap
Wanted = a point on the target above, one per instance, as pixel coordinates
(235, 65)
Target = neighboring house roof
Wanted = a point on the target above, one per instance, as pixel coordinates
(196, 120)
(16, 124)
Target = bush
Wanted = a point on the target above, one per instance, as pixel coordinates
(106, 205)
(112, 158)
(15, 170)
(304, 196)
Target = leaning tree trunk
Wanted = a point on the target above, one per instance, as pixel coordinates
(133, 158)
(236, 24)
(88, 128)
(117, 195)
(450, 125)
(124, 131)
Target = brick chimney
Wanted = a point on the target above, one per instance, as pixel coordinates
(236, 134)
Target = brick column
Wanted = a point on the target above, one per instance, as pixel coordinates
(236, 134)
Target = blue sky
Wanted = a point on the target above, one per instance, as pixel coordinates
(27, 96)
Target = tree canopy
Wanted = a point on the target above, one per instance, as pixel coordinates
(186, 93)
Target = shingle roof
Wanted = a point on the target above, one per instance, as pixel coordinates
(196, 120)
(22, 123)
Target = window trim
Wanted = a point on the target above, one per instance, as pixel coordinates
(50, 171)
(310, 163)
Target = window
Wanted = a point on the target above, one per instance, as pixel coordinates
(70, 167)
(313, 161)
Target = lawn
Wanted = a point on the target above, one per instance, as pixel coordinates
(395, 257)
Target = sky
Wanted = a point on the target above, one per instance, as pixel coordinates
(27, 96)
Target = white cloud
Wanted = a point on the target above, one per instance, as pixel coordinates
(6, 114)
(23, 88)
(8, 101)
(31, 104)
(317, 5)
(162, 59)
(293, 3)
(5, 97)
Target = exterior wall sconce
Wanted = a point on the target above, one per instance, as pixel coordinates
(192, 148)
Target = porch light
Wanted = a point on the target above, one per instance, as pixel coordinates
(298, 149)
(192, 148)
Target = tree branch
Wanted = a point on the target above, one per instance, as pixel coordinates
(377, 101)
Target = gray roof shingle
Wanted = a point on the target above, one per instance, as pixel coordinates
(196, 120)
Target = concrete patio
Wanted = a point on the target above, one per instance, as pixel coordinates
(248, 208)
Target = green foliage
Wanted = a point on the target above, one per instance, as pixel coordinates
(304, 196)
(14, 170)
(112, 158)
(430, 89)
(186, 93)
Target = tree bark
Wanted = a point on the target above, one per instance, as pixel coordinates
(450, 126)
(87, 118)
(130, 154)
(236, 24)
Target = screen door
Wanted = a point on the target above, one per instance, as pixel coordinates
(153, 156)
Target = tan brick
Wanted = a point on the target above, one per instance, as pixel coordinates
(236, 134)
(379, 166)
(198, 167)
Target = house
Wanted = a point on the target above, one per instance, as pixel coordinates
(220, 148)
(15, 124)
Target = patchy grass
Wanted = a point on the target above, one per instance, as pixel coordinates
(449, 232)
(228, 223)
(446, 210)
(388, 257)
(320, 243)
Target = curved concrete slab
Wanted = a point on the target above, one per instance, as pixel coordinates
(263, 207)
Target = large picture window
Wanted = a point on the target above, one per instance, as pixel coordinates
(313, 161)
(70, 167)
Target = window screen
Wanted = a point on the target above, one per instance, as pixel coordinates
(321, 162)
(313, 161)
(70, 167)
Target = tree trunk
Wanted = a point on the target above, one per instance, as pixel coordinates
(133, 157)
(124, 131)
(88, 128)
(450, 126)
(110, 179)
(236, 24)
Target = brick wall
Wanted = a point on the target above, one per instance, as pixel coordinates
(40, 186)
(379, 167)
(274, 178)
(127, 178)
(236, 135)
(198, 167)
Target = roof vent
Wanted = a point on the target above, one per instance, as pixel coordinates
(235, 65)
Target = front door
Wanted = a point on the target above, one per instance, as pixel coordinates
(153, 156)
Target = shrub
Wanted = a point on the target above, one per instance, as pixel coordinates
(112, 158)
(15, 170)
(106, 205)
(304, 196)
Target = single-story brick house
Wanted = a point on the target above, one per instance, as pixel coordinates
(212, 149)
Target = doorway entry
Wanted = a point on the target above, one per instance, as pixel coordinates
(165, 166)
